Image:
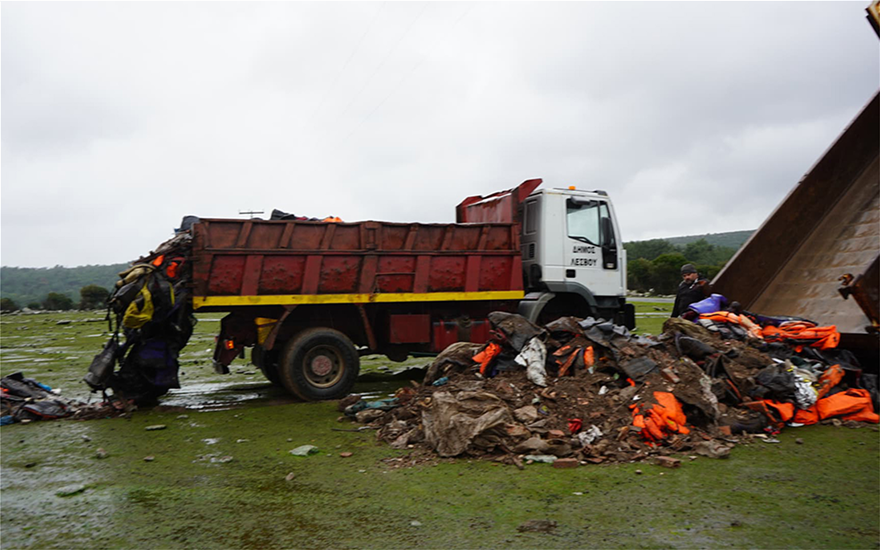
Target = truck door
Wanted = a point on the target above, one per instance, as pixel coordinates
(592, 251)
(529, 241)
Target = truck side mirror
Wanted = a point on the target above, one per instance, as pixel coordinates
(608, 239)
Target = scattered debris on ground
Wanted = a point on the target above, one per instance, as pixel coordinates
(586, 391)
(26, 400)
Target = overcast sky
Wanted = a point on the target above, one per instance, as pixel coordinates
(120, 118)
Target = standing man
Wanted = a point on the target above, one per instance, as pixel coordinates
(693, 288)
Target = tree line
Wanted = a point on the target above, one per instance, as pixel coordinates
(655, 265)
(39, 287)
(91, 297)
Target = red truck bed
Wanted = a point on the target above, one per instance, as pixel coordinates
(258, 262)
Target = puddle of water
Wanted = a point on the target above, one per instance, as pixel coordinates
(225, 396)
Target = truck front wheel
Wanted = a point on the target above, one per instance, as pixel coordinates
(319, 363)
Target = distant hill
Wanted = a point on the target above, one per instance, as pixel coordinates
(731, 239)
(25, 285)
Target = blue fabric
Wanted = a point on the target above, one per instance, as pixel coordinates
(715, 302)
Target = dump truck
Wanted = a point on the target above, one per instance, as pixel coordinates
(310, 297)
(816, 256)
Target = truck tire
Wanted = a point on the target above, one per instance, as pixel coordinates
(319, 363)
(267, 361)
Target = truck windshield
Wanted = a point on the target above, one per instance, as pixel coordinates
(583, 221)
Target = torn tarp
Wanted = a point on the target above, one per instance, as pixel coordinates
(454, 422)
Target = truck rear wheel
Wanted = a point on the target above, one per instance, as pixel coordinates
(267, 361)
(319, 363)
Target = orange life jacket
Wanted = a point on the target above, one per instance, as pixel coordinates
(783, 411)
(804, 334)
(663, 419)
(830, 378)
(730, 317)
(806, 416)
(589, 357)
(484, 358)
(863, 415)
(852, 402)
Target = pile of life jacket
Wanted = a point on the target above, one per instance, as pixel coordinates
(660, 420)
(711, 314)
(150, 306)
(792, 397)
(802, 333)
(847, 403)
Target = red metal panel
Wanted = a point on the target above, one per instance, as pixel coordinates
(306, 236)
(409, 329)
(447, 274)
(444, 335)
(282, 274)
(411, 234)
(429, 238)
(327, 238)
(339, 275)
(473, 275)
(346, 237)
(312, 275)
(226, 275)
(465, 238)
(296, 257)
(391, 236)
(396, 274)
(266, 236)
(495, 273)
(423, 272)
(253, 268)
(500, 238)
(479, 331)
(367, 284)
(497, 207)
(369, 235)
(243, 235)
(224, 233)
(516, 274)
(284, 241)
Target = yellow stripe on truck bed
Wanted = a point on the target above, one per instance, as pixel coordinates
(297, 299)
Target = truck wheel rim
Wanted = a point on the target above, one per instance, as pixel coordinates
(323, 366)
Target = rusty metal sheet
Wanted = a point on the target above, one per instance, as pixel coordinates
(287, 257)
(827, 226)
(409, 329)
(502, 206)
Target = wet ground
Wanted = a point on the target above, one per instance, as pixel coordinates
(220, 475)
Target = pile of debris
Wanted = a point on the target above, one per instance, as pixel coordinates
(25, 400)
(586, 390)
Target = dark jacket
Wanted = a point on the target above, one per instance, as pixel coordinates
(689, 293)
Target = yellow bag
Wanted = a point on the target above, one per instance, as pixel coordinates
(140, 311)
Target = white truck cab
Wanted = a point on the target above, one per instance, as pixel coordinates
(573, 258)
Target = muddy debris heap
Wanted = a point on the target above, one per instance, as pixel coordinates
(588, 391)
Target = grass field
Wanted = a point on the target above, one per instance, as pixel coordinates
(650, 316)
(222, 475)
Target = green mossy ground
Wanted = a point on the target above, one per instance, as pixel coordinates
(823, 493)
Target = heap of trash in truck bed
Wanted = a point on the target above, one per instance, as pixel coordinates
(588, 391)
